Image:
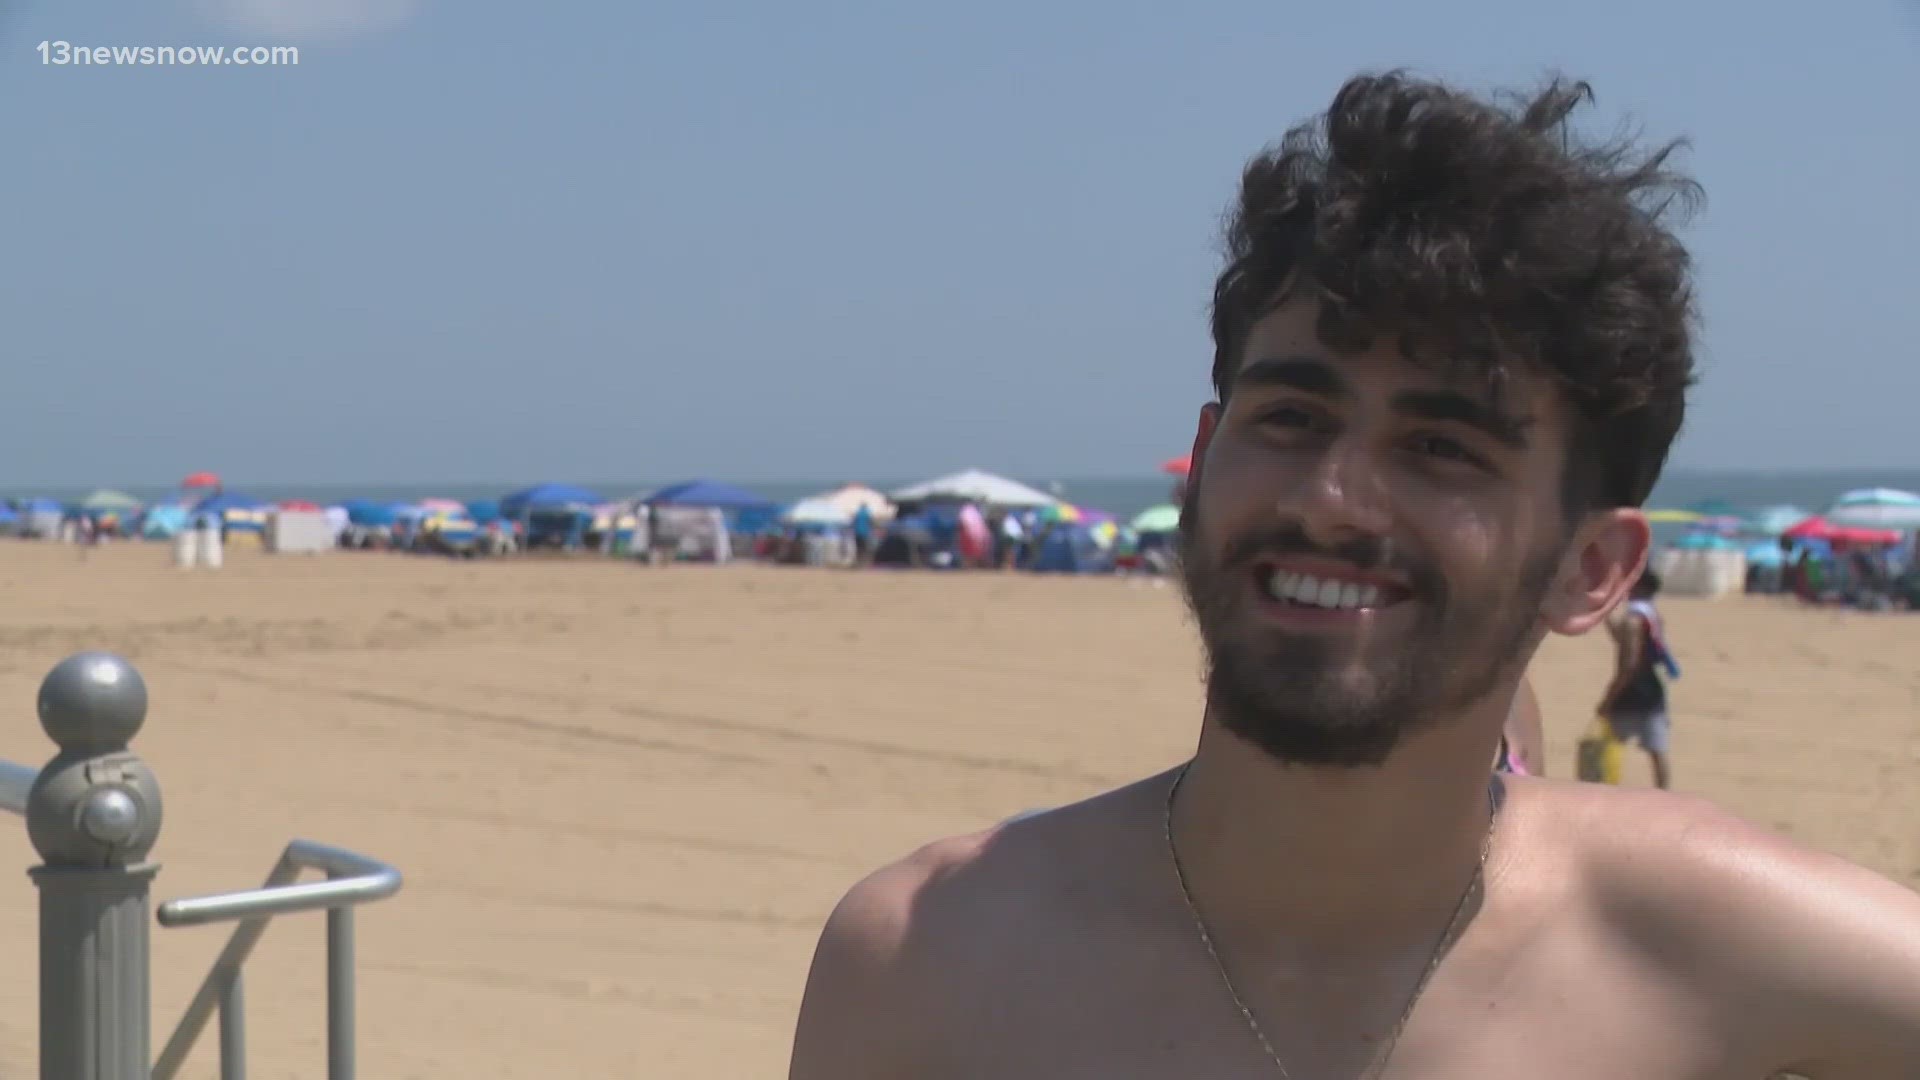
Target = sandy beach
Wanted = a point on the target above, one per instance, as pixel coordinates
(625, 799)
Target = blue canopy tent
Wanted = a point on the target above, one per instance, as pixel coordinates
(1071, 549)
(706, 494)
(369, 514)
(746, 511)
(548, 497)
(40, 516)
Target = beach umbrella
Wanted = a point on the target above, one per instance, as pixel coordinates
(849, 498)
(105, 500)
(1673, 517)
(201, 480)
(1703, 541)
(1774, 520)
(816, 511)
(1707, 508)
(370, 514)
(1876, 508)
(1819, 528)
(1179, 466)
(974, 485)
(1159, 519)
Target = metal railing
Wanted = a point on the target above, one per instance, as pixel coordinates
(93, 813)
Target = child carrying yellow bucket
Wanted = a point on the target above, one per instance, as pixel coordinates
(1600, 754)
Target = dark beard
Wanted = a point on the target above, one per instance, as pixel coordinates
(1296, 696)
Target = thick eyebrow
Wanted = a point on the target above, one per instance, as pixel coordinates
(1312, 376)
(1303, 373)
(1446, 407)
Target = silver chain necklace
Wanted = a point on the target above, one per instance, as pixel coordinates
(1419, 987)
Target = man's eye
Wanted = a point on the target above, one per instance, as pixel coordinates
(1442, 447)
(1287, 416)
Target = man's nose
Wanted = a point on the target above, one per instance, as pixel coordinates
(1344, 495)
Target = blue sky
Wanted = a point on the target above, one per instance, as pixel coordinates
(479, 241)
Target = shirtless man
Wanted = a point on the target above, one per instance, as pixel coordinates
(1449, 343)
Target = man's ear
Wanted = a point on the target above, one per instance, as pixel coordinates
(1203, 438)
(1606, 557)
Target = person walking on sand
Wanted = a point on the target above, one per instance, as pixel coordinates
(1635, 702)
(1452, 346)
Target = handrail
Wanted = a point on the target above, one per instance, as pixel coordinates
(15, 782)
(354, 879)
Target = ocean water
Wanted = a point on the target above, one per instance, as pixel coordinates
(1123, 496)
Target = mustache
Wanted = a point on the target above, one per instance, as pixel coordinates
(1368, 553)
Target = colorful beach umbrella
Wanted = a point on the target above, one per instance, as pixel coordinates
(1819, 528)
(1876, 508)
(1158, 519)
(1673, 517)
(1774, 520)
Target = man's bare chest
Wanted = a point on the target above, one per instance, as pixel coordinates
(1157, 1011)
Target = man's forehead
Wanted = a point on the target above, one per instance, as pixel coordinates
(1289, 333)
(1512, 387)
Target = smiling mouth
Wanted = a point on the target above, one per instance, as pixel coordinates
(1298, 589)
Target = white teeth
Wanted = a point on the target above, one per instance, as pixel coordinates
(1321, 592)
(1306, 590)
(1329, 593)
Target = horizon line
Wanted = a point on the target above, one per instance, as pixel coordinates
(1062, 478)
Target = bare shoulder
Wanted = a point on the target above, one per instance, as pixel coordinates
(905, 951)
(870, 1008)
(1797, 944)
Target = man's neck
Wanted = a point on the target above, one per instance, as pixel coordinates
(1329, 856)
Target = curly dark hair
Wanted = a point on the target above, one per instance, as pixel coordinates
(1481, 235)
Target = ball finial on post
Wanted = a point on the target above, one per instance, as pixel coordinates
(93, 814)
(96, 803)
(93, 703)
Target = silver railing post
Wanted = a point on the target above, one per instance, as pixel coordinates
(233, 1028)
(340, 1033)
(93, 815)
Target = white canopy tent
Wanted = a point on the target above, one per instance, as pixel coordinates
(816, 511)
(974, 485)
